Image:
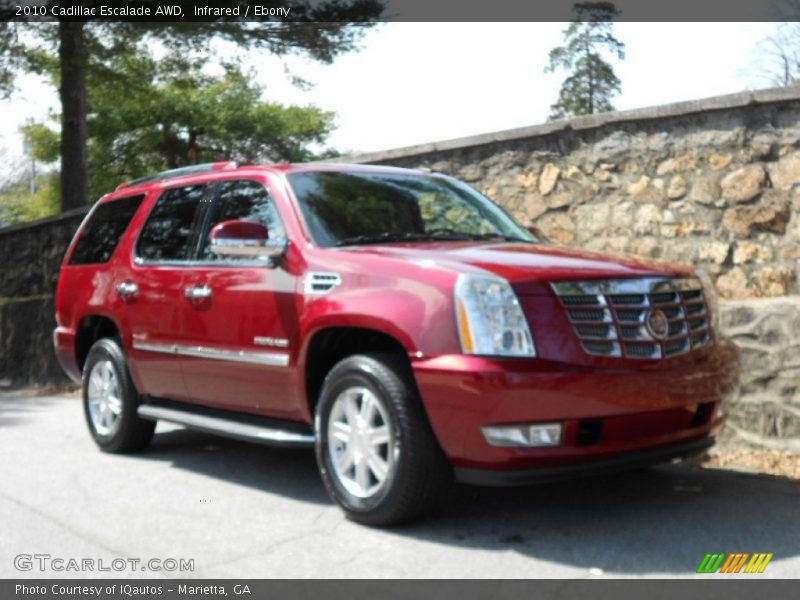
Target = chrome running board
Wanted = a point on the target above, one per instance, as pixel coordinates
(246, 428)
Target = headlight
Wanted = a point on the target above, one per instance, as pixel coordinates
(489, 318)
(710, 294)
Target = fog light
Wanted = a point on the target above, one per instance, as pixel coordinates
(530, 436)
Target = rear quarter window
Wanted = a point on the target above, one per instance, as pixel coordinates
(106, 225)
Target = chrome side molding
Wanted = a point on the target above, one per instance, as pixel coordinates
(273, 359)
(226, 427)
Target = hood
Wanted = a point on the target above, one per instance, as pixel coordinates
(526, 266)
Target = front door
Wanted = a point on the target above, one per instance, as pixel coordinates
(155, 292)
(240, 320)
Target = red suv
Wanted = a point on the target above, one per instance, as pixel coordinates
(398, 321)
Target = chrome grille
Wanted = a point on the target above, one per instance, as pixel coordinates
(610, 317)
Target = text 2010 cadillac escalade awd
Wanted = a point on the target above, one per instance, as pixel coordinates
(396, 320)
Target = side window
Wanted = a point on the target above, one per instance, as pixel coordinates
(102, 233)
(169, 230)
(243, 200)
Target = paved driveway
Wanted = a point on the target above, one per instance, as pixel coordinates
(242, 510)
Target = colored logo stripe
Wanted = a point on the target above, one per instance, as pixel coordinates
(710, 563)
(758, 563)
(734, 562)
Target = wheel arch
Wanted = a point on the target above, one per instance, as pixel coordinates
(329, 345)
(91, 328)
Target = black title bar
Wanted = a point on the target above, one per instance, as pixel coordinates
(309, 11)
(712, 588)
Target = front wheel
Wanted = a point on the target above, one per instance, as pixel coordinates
(375, 449)
(110, 401)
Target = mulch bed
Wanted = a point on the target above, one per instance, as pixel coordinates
(771, 462)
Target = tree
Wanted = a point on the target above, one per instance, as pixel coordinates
(778, 56)
(591, 82)
(18, 203)
(176, 116)
(319, 30)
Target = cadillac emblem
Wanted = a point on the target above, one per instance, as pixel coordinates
(657, 324)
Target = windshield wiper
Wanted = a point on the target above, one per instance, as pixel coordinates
(446, 233)
(441, 234)
(382, 238)
(500, 236)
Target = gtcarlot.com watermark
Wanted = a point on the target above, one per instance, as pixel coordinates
(60, 564)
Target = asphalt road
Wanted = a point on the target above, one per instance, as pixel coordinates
(241, 510)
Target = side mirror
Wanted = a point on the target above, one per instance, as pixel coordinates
(244, 238)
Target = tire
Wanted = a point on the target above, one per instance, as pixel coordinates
(110, 401)
(377, 396)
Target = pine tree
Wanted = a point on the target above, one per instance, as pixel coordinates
(591, 82)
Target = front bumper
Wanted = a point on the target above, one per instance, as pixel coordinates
(607, 414)
(601, 466)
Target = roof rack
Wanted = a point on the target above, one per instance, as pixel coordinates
(180, 172)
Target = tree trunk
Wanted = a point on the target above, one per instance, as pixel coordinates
(74, 161)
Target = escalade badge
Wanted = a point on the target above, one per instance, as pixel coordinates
(261, 340)
(657, 324)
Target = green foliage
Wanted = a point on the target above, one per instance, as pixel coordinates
(591, 82)
(167, 117)
(18, 205)
(42, 141)
(145, 114)
(321, 30)
(24, 49)
(9, 46)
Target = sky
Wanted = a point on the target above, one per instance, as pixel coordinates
(412, 83)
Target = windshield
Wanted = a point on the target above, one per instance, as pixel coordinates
(343, 209)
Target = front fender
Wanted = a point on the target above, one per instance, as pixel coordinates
(419, 316)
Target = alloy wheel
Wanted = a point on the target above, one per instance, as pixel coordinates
(105, 400)
(361, 446)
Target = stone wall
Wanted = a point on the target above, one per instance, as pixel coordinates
(767, 331)
(30, 258)
(30, 255)
(26, 344)
(714, 183)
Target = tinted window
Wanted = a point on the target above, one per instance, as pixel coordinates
(351, 208)
(243, 201)
(168, 233)
(102, 233)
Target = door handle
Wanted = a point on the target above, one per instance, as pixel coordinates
(198, 292)
(127, 290)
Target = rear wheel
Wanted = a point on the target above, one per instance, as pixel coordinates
(110, 401)
(376, 452)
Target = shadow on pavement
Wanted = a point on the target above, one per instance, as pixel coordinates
(16, 409)
(286, 471)
(664, 519)
(659, 520)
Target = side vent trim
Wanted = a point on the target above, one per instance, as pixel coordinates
(318, 284)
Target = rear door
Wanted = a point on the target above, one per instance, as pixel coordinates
(242, 320)
(165, 248)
